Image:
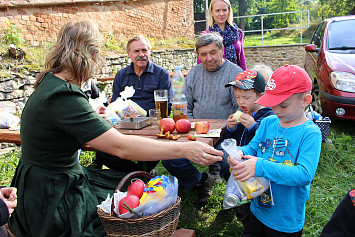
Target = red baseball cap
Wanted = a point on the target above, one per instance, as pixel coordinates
(284, 82)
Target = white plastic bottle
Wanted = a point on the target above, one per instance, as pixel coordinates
(178, 80)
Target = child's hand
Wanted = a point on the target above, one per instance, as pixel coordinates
(247, 120)
(245, 170)
(8, 195)
(232, 122)
(101, 110)
(233, 162)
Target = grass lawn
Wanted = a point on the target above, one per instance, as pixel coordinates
(333, 179)
(256, 40)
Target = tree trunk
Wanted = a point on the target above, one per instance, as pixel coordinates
(352, 11)
(242, 11)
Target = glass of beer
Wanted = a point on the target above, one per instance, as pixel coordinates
(161, 102)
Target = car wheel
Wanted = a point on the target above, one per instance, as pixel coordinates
(316, 99)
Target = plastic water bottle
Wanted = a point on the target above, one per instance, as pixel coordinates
(179, 103)
(178, 80)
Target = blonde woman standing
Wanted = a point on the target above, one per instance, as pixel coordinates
(220, 19)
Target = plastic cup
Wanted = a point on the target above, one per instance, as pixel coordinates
(154, 116)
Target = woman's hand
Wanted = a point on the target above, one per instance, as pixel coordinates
(246, 169)
(201, 153)
(8, 195)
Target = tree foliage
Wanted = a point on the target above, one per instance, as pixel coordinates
(319, 10)
(283, 20)
(199, 6)
(331, 8)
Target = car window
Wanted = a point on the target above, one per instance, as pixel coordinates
(341, 34)
(318, 35)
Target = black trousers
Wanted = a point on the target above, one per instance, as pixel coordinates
(126, 166)
(261, 230)
(243, 214)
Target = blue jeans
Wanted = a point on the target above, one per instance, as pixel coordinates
(188, 175)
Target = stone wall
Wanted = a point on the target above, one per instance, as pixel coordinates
(40, 20)
(185, 58)
(275, 56)
(16, 83)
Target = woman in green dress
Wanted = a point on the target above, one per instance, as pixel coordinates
(56, 195)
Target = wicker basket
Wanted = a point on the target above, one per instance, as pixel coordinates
(322, 123)
(163, 223)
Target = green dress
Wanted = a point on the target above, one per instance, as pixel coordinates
(56, 195)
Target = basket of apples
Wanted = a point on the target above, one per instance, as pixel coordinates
(163, 223)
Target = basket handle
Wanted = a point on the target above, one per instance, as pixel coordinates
(312, 113)
(124, 181)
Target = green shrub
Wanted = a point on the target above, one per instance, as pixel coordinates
(8, 164)
(12, 34)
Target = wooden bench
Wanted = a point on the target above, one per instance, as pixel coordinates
(184, 233)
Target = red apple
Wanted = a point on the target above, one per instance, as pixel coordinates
(136, 188)
(167, 124)
(202, 127)
(183, 126)
(131, 200)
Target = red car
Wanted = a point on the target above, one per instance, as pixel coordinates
(330, 62)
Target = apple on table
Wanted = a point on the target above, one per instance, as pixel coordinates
(202, 127)
(167, 124)
(183, 126)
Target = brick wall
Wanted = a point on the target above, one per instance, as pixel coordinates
(40, 20)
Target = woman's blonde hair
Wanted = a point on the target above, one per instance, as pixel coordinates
(76, 50)
(230, 14)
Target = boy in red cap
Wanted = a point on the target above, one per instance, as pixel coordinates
(286, 150)
(248, 87)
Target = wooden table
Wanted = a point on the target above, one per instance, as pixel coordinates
(9, 136)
